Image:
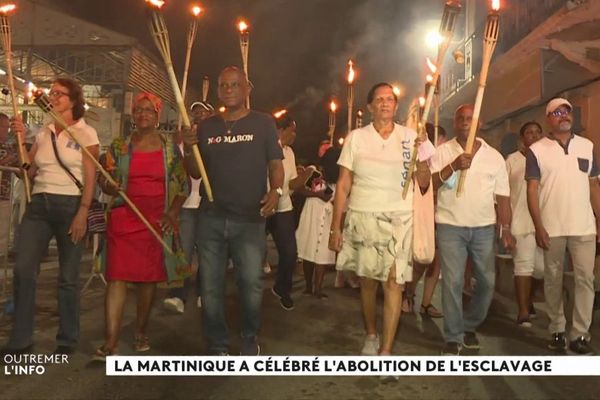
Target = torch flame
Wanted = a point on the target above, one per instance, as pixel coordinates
(242, 26)
(495, 5)
(279, 113)
(422, 101)
(197, 10)
(431, 66)
(332, 106)
(222, 109)
(429, 78)
(359, 113)
(341, 141)
(5, 9)
(397, 90)
(156, 3)
(351, 73)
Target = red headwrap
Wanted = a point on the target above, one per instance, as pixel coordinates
(156, 102)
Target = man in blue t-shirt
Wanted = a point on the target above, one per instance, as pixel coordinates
(240, 150)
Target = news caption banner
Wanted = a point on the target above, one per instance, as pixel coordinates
(352, 366)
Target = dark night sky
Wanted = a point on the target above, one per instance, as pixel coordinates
(298, 48)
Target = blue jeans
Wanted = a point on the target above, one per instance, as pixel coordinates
(283, 229)
(218, 239)
(188, 225)
(455, 243)
(47, 215)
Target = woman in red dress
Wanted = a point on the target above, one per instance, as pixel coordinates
(152, 175)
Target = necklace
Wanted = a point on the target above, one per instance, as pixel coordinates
(228, 127)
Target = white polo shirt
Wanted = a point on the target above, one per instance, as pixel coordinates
(379, 167)
(522, 223)
(486, 179)
(564, 191)
(51, 177)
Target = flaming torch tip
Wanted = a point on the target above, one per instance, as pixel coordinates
(351, 73)
(156, 3)
(279, 113)
(495, 5)
(197, 10)
(242, 26)
(332, 106)
(7, 8)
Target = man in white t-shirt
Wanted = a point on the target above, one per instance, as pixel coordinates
(466, 226)
(528, 258)
(562, 189)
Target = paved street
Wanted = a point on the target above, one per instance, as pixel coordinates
(319, 327)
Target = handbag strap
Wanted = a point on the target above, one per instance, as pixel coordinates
(73, 177)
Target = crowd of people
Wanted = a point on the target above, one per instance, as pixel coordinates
(538, 203)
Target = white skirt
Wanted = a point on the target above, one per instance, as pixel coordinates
(374, 242)
(312, 235)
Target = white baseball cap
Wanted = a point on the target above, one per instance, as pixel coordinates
(555, 103)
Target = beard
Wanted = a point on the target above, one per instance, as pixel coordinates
(565, 126)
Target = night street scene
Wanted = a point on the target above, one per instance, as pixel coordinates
(283, 199)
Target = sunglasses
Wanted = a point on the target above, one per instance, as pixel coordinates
(560, 113)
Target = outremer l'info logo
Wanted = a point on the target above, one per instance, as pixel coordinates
(31, 364)
(352, 366)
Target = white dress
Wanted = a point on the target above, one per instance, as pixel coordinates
(312, 235)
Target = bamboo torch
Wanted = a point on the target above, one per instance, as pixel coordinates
(6, 41)
(205, 87)
(244, 49)
(160, 34)
(490, 38)
(359, 119)
(451, 11)
(43, 102)
(280, 113)
(191, 37)
(332, 121)
(351, 76)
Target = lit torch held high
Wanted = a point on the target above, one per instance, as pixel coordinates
(359, 119)
(351, 76)
(244, 49)
(447, 25)
(160, 34)
(332, 120)
(192, 31)
(490, 39)
(6, 41)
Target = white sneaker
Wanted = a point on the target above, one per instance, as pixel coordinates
(174, 304)
(371, 346)
(199, 302)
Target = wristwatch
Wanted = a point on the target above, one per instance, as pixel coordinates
(279, 191)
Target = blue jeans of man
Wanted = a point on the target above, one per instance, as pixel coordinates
(282, 227)
(47, 215)
(455, 244)
(188, 225)
(218, 239)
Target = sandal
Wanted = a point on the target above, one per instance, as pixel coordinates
(430, 311)
(141, 343)
(408, 304)
(103, 352)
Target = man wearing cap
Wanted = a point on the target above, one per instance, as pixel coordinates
(188, 223)
(240, 151)
(562, 190)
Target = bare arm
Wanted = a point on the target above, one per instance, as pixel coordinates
(78, 226)
(533, 204)
(271, 198)
(595, 198)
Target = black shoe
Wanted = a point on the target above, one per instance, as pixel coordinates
(66, 350)
(581, 347)
(286, 301)
(451, 349)
(470, 341)
(558, 342)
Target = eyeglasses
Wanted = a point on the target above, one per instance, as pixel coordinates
(57, 94)
(147, 110)
(561, 113)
